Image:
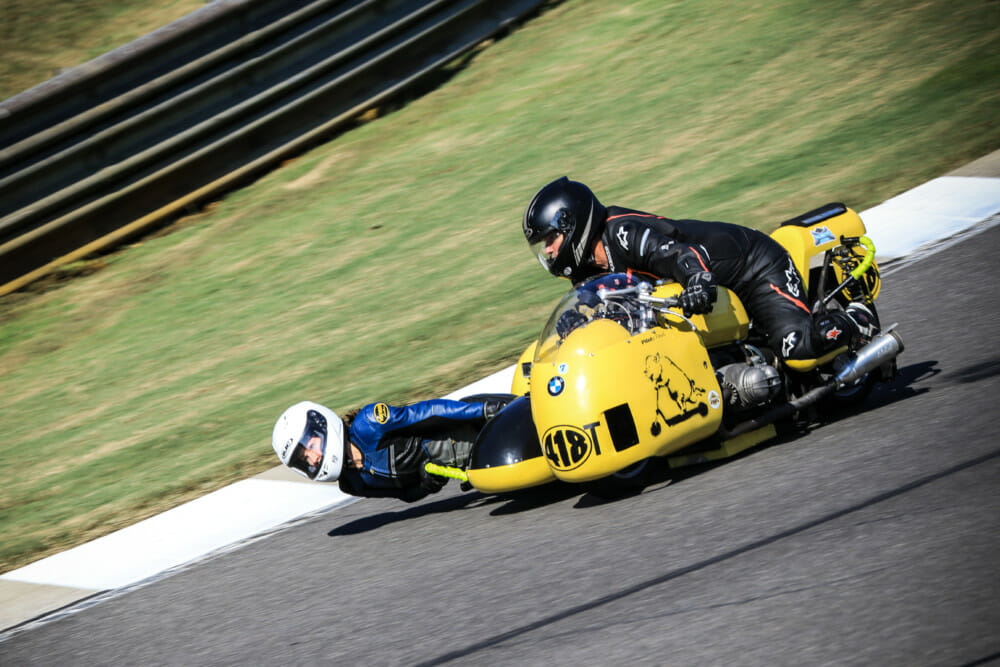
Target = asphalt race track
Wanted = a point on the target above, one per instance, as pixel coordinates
(874, 540)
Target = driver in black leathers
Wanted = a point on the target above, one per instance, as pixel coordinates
(576, 237)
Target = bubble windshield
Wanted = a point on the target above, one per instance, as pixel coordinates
(611, 296)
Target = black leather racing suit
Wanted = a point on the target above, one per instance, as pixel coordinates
(745, 260)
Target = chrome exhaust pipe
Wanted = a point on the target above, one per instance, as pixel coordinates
(882, 349)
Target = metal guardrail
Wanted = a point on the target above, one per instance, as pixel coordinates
(136, 137)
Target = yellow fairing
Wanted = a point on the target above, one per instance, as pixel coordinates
(603, 400)
(522, 475)
(805, 243)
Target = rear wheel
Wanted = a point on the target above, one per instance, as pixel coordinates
(855, 394)
(860, 390)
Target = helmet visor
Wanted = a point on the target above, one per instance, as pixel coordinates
(311, 448)
(547, 247)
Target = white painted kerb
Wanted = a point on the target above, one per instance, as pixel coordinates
(928, 213)
(175, 537)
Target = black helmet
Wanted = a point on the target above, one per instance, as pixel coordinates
(569, 208)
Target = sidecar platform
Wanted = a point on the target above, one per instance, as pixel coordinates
(712, 450)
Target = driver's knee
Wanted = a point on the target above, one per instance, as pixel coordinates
(795, 343)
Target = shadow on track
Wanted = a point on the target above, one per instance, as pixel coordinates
(510, 503)
(376, 521)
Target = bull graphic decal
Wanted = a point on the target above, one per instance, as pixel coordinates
(674, 384)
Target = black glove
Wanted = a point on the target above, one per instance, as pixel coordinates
(430, 482)
(699, 294)
(568, 321)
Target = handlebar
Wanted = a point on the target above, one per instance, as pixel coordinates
(446, 471)
(859, 270)
(866, 263)
(666, 301)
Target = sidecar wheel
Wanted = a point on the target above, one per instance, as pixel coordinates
(626, 482)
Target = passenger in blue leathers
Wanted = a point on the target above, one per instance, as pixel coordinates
(380, 450)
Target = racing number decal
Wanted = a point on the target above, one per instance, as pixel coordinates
(567, 447)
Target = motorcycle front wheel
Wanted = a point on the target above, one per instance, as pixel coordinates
(626, 482)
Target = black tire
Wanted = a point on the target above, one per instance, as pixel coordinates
(860, 391)
(626, 482)
(853, 395)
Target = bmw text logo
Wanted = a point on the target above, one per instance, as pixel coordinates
(556, 385)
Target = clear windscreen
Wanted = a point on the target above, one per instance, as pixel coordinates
(611, 296)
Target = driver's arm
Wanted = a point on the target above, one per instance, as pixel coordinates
(648, 249)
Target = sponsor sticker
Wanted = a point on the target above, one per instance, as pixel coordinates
(556, 386)
(381, 411)
(822, 235)
(714, 401)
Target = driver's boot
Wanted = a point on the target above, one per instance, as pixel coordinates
(865, 320)
(854, 327)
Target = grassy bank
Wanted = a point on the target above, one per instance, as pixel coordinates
(389, 263)
(41, 38)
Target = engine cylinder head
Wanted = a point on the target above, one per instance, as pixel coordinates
(751, 384)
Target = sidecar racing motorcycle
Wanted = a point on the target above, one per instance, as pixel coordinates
(620, 377)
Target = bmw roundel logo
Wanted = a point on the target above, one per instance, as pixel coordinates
(556, 385)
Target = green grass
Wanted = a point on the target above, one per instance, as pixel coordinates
(41, 38)
(389, 263)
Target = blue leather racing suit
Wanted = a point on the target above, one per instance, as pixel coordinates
(396, 442)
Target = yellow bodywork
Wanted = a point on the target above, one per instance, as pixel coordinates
(522, 475)
(605, 399)
(806, 365)
(725, 449)
(807, 245)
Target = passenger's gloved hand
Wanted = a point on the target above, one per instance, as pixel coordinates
(430, 482)
(699, 294)
(568, 321)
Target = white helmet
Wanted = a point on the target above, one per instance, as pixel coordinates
(297, 426)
